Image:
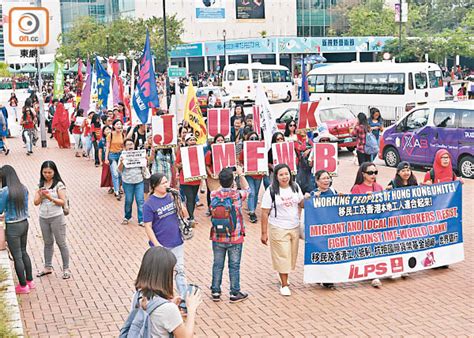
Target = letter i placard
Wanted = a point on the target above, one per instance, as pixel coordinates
(194, 165)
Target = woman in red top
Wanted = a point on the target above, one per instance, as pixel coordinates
(28, 122)
(190, 189)
(442, 169)
(77, 121)
(86, 135)
(61, 126)
(254, 181)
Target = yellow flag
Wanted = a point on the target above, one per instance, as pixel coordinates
(193, 115)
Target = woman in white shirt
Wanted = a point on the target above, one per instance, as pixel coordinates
(281, 209)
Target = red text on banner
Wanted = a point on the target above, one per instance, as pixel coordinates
(284, 152)
(194, 166)
(325, 157)
(255, 157)
(307, 116)
(164, 131)
(223, 156)
(218, 122)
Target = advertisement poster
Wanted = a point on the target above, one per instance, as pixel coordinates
(250, 9)
(357, 237)
(209, 10)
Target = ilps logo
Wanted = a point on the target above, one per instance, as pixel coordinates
(28, 27)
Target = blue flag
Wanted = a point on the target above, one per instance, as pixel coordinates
(145, 95)
(304, 82)
(103, 84)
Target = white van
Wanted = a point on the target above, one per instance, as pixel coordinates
(240, 79)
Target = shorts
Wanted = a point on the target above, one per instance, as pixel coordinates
(284, 245)
(146, 185)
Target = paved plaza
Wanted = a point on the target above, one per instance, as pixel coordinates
(105, 258)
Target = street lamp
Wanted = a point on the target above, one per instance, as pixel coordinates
(224, 33)
(168, 93)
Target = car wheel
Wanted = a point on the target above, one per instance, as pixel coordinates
(288, 98)
(466, 166)
(351, 149)
(391, 157)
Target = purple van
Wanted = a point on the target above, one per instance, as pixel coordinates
(418, 135)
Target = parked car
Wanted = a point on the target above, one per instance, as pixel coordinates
(424, 130)
(222, 98)
(339, 121)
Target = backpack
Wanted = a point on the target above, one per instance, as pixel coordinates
(432, 175)
(138, 322)
(223, 215)
(371, 144)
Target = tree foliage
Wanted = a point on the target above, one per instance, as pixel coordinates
(4, 70)
(371, 18)
(124, 35)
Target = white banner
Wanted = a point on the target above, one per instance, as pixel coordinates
(194, 164)
(267, 122)
(255, 158)
(165, 134)
(134, 158)
(325, 157)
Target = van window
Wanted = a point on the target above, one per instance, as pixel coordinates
(376, 83)
(354, 83)
(285, 75)
(435, 78)
(276, 76)
(416, 120)
(445, 118)
(467, 119)
(242, 74)
(266, 76)
(320, 82)
(231, 75)
(331, 84)
(421, 81)
(396, 83)
(410, 81)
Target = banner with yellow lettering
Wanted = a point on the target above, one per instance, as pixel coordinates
(193, 115)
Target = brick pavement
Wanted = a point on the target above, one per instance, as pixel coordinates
(105, 257)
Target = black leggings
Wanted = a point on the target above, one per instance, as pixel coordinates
(96, 151)
(190, 193)
(17, 234)
(363, 157)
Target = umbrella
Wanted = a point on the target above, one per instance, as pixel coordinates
(74, 68)
(27, 69)
(12, 70)
(49, 69)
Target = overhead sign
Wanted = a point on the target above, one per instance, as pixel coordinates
(176, 72)
(28, 27)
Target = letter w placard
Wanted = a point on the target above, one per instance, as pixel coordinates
(284, 153)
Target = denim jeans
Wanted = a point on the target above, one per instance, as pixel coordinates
(254, 185)
(86, 144)
(134, 191)
(235, 254)
(267, 180)
(179, 275)
(16, 237)
(28, 135)
(113, 159)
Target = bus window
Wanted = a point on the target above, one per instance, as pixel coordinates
(376, 83)
(340, 84)
(242, 74)
(421, 81)
(266, 76)
(435, 78)
(255, 73)
(396, 83)
(320, 82)
(231, 75)
(354, 83)
(285, 76)
(312, 84)
(410, 81)
(276, 76)
(331, 84)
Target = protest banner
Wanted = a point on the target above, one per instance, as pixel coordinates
(223, 156)
(58, 87)
(325, 157)
(134, 158)
(79, 121)
(356, 237)
(193, 116)
(165, 134)
(256, 120)
(284, 152)
(218, 122)
(194, 165)
(267, 122)
(307, 116)
(255, 158)
(103, 84)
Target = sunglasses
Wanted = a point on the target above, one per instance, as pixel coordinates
(253, 139)
(370, 172)
(292, 125)
(280, 139)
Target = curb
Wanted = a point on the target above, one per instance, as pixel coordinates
(10, 296)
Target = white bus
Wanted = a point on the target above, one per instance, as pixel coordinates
(394, 88)
(240, 79)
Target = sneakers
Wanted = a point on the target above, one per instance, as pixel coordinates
(216, 296)
(125, 221)
(118, 197)
(238, 297)
(111, 191)
(31, 284)
(376, 283)
(142, 224)
(330, 286)
(285, 291)
(22, 289)
(253, 217)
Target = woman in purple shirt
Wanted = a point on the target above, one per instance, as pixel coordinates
(162, 226)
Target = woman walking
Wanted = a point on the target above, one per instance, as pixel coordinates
(114, 148)
(160, 214)
(360, 132)
(51, 197)
(61, 126)
(76, 130)
(133, 186)
(281, 209)
(376, 125)
(28, 122)
(14, 205)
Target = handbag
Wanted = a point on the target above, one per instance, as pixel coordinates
(66, 207)
(184, 227)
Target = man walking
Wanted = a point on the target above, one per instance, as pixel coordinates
(227, 232)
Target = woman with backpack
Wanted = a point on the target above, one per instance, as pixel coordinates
(14, 206)
(281, 209)
(51, 197)
(442, 170)
(162, 224)
(403, 178)
(154, 294)
(360, 132)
